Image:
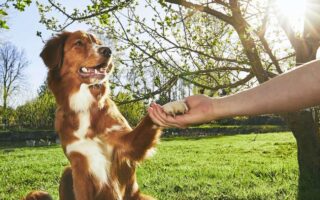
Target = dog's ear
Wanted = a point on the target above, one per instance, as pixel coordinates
(52, 53)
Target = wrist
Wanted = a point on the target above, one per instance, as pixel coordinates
(222, 108)
(216, 109)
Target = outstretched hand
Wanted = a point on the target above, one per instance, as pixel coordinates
(200, 111)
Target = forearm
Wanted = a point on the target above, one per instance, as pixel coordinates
(297, 89)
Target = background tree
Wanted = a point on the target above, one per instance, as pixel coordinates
(12, 65)
(212, 45)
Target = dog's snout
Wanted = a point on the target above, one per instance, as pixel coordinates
(105, 51)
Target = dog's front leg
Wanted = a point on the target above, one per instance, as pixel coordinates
(90, 169)
(143, 139)
(138, 143)
(83, 187)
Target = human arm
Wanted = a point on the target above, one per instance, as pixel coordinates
(291, 91)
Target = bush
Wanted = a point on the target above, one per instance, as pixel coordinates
(133, 112)
(253, 120)
(38, 113)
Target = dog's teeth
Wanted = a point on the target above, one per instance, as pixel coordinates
(96, 71)
(84, 69)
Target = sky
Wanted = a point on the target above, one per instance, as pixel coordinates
(22, 33)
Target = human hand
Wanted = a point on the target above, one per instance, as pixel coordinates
(200, 111)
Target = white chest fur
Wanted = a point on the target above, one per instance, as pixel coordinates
(98, 158)
(84, 124)
(98, 155)
(81, 100)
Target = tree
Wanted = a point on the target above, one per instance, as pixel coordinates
(38, 113)
(12, 65)
(20, 5)
(214, 45)
(304, 124)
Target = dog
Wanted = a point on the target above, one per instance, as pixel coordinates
(103, 150)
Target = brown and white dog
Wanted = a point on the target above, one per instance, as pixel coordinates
(102, 148)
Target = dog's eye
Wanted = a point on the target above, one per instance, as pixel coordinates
(78, 43)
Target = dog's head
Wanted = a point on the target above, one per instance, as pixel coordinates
(78, 54)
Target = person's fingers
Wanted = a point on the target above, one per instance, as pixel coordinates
(162, 116)
(165, 120)
(154, 117)
(169, 119)
(153, 104)
(177, 121)
(157, 113)
(160, 111)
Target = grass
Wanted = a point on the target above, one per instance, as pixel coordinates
(234, 126)
(251, 166)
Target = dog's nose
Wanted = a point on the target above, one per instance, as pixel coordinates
(105, 51)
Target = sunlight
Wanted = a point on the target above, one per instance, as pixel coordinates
(294, 10)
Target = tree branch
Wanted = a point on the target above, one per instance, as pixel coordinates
(285, 25)
(201, 8)
(73, 18)
(232, 85)
(164, 88)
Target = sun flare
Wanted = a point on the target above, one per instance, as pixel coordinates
(294, 10)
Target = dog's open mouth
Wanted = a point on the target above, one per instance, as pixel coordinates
(97, 72)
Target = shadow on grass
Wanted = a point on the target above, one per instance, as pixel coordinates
(309, 186)
(9, 146)
(188, 138)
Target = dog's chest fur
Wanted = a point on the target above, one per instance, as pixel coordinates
(89, 115)
(80, 130)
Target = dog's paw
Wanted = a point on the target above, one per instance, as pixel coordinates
(175, 107)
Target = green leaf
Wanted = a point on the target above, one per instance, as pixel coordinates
(2, 12)
(160, 23)
(157, 81)
(3, 24)
(127, 87)
(168, 20)
(162, 3)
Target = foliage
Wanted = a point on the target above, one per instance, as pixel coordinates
(99, 10)
(200, 48)
(225, 167)
(7, 115)
(19, 5)
(252, 120)
(38, 113)
(133, 112)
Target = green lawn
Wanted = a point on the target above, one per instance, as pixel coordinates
(224, 167)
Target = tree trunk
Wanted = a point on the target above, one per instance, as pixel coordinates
(305, 129)
(5, 108)
(304, 124)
